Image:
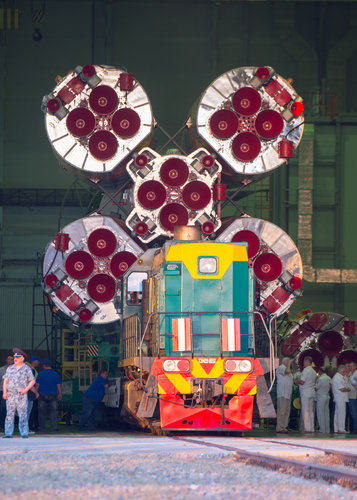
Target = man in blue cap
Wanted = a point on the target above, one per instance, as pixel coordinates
(18, 380)
(92, 399)
(49, 386)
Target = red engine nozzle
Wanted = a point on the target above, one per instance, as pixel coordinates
(51, 280)
(101, 288)
(103, 100)
(268, 267)
(224, 123)
(151, 194)
(269, 124)
(330, 343)
(125, 122)
(246, 101)
(174, 172)
(85, 315)
(79, 265)
(246, 236)
(103, 145)
(246, 146)
(172, 215)
(102, 242)
(121, 262)
(196, 195)
(80, 122)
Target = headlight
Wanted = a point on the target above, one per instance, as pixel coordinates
(207, 265)
(176, 365)
(237, 365)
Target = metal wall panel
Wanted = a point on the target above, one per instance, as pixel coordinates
(16, 317)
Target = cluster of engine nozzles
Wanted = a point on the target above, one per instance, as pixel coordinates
(326, 337)
(100, 124)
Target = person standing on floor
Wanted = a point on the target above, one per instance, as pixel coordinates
(92, 399)
(322, 387)
(352, 395)
(32, 395)
(18, 380)
(340, 395)
(49, 386)
(284, 389)
(307, 394)
(9, 361)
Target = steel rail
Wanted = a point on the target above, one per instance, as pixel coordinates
(343, 477)
(346, 457)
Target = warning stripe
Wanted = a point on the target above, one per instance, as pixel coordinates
(9, 18)
(181, 334)
(92, 350)
(231, 334)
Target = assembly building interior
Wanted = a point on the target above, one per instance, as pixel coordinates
(175, 49)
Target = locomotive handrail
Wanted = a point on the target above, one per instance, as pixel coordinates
(220, 313)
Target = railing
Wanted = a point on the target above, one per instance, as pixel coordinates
(221, 314)
(131, 329)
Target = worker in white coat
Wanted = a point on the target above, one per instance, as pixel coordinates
(340, 391)
(284, 389)
(322, 387)
(307, 394)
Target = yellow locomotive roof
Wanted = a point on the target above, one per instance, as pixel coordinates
(188, 253)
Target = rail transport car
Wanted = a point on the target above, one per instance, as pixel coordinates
(187, 354)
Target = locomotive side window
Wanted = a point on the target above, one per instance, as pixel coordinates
(135, 288)
(208, 265)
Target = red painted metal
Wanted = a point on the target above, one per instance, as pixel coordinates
(295, 282)
(103, 100)
(174, 172)
(79, 265)
(246, 146)
(103, 145)
(151, 194)
(349, 327)
(85, 315)
(53, 105)
(141, 228)
(102, 242)
(208, 161)
(330, 342)
(246, 236)
(66, 95)
(268, 267)
(172, 215)
(101, 288)
(196, 195)
(297, 108)
(51, 280)
(70, 299)
(88, 71)
(76, 85)
(286, 148)
(269, 124)
(141, 161)
(246, 101)
(126, 82)
(80, 122)
(126, 122)
(220, 191)
(61, 242)
(208, 227)
(121, 262)
(224, 123)
(309, 326)
(262, 73)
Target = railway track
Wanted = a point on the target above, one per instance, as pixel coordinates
(308, 470)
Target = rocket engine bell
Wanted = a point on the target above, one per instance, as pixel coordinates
(252, 118)
(95, 118)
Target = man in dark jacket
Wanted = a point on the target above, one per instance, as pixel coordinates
(92, 399)
(49, 386)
